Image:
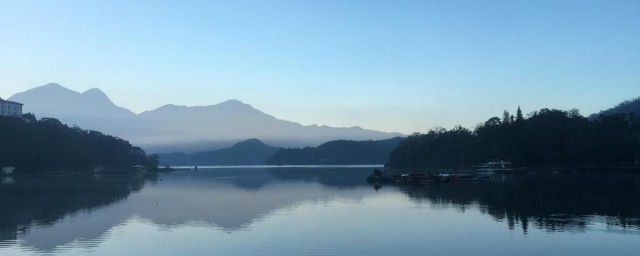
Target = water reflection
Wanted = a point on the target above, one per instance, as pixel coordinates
(554, 202)
(44, 213)
(48, 213)
(33, 205)
(232, 199)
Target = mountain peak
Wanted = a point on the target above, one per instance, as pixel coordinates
(249, 143)
(47, 91)
(71, 107)
(53, 87)
(170, 107)
(95, 92)
(95, 95)
(234, 103)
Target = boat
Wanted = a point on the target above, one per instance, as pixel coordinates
(460, 178)
(421, 178)
(494, 166)
(417, 178)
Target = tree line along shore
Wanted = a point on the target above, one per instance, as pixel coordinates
(546, 138)
(542, 139)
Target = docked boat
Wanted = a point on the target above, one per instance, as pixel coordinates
(417, 178)
(460, 178)
(421, 178)
(495, 166)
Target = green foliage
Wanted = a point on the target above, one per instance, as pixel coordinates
(49, 145)
(546, 138)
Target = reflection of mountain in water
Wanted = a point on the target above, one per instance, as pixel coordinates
(332, 176)
(47, 213)
(551, 202)
(54, 211)
(234, 198)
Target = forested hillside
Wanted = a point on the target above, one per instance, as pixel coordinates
(248, 152)
(47, 145)
(547, 137)
(338, 152)
(627, 107)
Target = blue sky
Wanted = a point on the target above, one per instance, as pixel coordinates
(404, 66)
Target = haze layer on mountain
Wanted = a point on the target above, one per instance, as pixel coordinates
(172, 128)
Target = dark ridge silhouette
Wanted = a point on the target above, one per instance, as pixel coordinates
(44, 145)
(546, 138)
(338, 152)
(248, 152)
(628, 107)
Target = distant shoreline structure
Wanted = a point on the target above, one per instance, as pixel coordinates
(10, 108)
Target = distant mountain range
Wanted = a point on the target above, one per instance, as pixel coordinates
(249, 152)
(338, 152)
(255, 152)
(172, 128)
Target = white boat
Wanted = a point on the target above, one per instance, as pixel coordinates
(495, 166)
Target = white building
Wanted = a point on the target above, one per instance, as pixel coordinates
(10, 108)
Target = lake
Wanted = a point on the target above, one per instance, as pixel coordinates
(318, 211)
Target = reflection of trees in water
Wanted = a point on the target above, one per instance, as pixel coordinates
(330, 176)
(558, 202)
(43, 200)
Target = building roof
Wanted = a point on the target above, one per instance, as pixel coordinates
(10, 102)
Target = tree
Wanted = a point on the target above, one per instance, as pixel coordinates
(29, 118)
(492, 121)
(519, 117)
(506, 117)
(574, 113)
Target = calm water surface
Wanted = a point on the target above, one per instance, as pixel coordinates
(317, 211)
